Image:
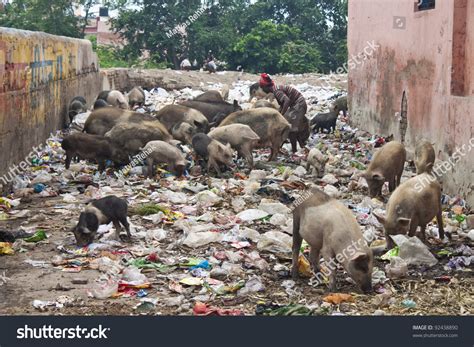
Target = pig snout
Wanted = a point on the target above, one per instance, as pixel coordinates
(83, 237)
(366, 287)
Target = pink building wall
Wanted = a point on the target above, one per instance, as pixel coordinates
(429, 55)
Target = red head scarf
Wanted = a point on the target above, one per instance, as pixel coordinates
(266, 80)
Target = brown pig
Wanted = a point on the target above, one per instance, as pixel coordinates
(132, 136)
(266, 103)
(174, 114)
(160, 152)
(328, 226)
(104, 119)
(114, 98)
(272, 128)
(213, 110)
(424, 157)
(213, 151)
(386, 165)
(210, 96)
(241, 138)
(183, 132)
(316, 162)
(414, 203)
(92, 147)
(136, 97)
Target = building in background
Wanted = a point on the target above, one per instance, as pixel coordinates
(99, 24)
(419, 83)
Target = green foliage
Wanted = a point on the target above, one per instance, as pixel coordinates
(54, 17)
(299, 57)
(263, 35)
(263, 47)
(260, 35)
(114, 57)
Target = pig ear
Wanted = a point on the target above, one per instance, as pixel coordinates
(378, 177)
(382, 220)
(196, 123)
(360, 260)
(405, 222)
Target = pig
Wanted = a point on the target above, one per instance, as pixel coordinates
(327, 225)
(76, 106)
(92, 147)
(255, 91)
(159, 152)
(272, 128)
(99, 103)
(211, 109)
(241, 138)
(100, 212)
(200, 142)
(316, 161)
(386, 165)
(424, 157)
(300, 129)
(114, 98)
(133, 136)
(103, 95)
(340, 104)
(213, 151)
(136, 97)
(414, 203)
(183, 132)
(266, 103)
(171, 115)
(210, 96)
(104, 119)
(325, 121)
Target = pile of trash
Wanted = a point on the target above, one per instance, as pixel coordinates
(218, 246)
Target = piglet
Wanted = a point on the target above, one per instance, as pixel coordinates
(160, 152)
(386, 165)
(415, 203)
(99, 212)
(424, 157)
(316, 161)
(328, 226)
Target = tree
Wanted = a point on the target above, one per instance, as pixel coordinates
(275, 48)
(296, 35)
(51, 16)
(152, 28)
(299, 57)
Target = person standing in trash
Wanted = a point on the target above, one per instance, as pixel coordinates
(210, 63)
(292, 106)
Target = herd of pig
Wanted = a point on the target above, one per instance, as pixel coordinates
(215, 129)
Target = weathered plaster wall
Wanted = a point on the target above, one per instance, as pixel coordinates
(39, 75)
(420, 59)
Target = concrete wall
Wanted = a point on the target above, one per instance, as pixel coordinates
(428, 57)
(39, 75)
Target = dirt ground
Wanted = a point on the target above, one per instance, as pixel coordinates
(58, 265)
